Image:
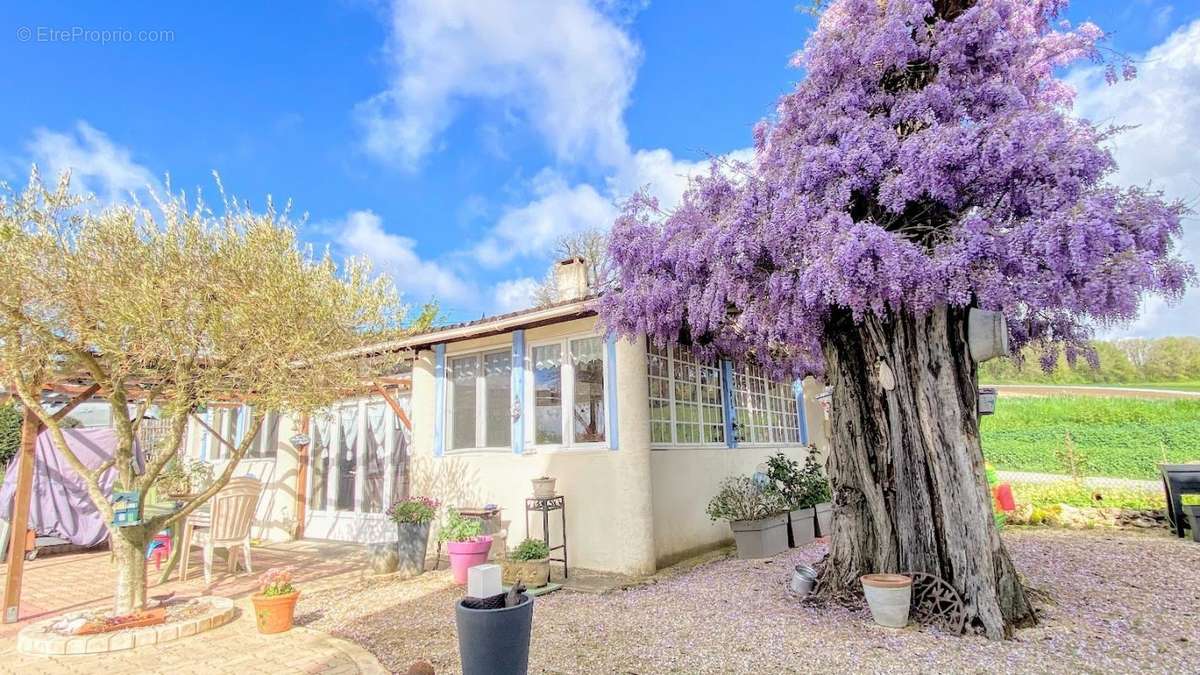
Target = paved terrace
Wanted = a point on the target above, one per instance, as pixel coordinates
(55, 584)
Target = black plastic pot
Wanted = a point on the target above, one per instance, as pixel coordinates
(1193, 516)
(494, 641)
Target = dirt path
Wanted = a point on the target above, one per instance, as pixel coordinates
(1095, 481)
(1081, 390)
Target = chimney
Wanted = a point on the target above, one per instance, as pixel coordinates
(570, 279)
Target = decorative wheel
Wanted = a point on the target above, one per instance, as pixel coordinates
(936, 603)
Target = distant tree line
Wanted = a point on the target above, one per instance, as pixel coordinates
(1125, 361)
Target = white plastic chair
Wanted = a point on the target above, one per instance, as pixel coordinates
(226, 525)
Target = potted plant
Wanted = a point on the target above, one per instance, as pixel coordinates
(494, 632)
(181, 478)
(787, 479)
(412, 517)
(464, 543)
(818, 495)
(889, 597)
(543, 487)
(528, 563)
(275, 602)
(756, 514)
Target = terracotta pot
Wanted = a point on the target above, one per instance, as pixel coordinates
(274, 613)
(533, 573)
(889, 597)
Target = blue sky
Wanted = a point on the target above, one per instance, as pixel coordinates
(454, 141)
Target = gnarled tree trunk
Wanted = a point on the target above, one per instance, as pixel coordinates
(906, 466)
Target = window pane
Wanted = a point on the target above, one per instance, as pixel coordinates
(322, 436)
(373, 448)
(462, 401)
(347, 458)
(588, 411)
(547, 394)
(497, 370)
(660, 394)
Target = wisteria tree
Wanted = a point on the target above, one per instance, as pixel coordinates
(926, 164)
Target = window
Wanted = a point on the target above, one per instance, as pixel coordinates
(765, 410)
(547, 394)
(233, 423)
(568, 394)
(480, 400)
(685, 398)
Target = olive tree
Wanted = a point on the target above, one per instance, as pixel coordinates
(174, 305)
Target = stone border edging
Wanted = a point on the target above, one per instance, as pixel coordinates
(35, 640)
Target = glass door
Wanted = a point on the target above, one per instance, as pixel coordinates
(358, 465)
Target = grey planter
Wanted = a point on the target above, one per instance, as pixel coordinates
(411, 547)
(494, 641)
(760, 538)
(824, 519)
(1193, 515)
(802, 527)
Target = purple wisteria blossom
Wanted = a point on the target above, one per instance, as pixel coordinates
(920, 161)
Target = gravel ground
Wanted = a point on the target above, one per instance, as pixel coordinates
(1119, 602)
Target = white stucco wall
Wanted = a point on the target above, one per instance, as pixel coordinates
(275, 517)
(609, 522)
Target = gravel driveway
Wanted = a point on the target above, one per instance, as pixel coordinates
(1120, 601)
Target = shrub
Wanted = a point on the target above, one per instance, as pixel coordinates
(530, 549)
(414, 510)
(740, 498)
(458, 528)
(10, 433)
(800, 488)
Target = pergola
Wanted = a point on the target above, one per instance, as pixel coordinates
(81, 390)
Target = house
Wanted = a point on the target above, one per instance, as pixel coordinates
(637, 436)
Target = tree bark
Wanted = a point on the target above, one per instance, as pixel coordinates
(907, 468)
(129, 550)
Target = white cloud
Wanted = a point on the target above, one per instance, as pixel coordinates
(1164, 104)
(562, 65)
(97, 165)
(362, 233)
(514, 294)
(532, 230)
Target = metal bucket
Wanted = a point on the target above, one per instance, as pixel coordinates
(804, 580)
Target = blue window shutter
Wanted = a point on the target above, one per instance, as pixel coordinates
(727, 402)
(439, 398)
(801, 416)
(610, 391)
(241, 426)
(518, 391)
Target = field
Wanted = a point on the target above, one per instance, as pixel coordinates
(1121, 437)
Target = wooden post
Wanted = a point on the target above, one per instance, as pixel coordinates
(302, 476)
(30, 426)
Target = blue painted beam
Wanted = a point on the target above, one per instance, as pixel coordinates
(727, 402)
(439, 397)
(518, 391)
(610, 391)
(801, 414)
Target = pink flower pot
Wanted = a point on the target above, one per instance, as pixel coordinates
(467, 554)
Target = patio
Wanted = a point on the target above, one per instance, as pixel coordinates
(1102, 608)
(55, 584)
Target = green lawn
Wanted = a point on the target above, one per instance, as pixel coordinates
(1121, 437)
